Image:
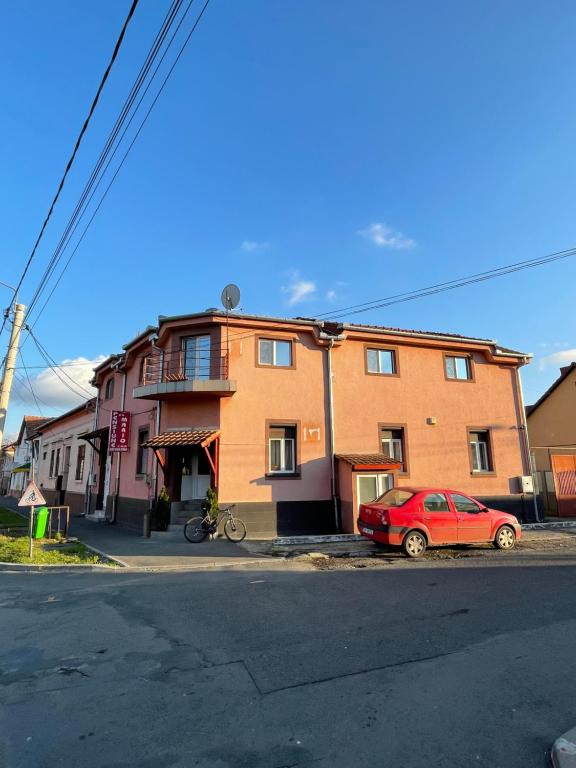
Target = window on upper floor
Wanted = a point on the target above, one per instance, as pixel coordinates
(392, 443)
(109, 389)
(381, 361)
(144, 369)
(281, 449)
(275, 352)
(458, 367)
(480, 450)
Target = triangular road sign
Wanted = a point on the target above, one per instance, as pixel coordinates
(31, 496)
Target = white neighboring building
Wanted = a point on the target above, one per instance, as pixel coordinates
(6, 466)
(20, 473)
(64, 458)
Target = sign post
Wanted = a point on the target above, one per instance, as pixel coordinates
(31, 498)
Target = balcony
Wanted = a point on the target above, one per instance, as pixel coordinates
(180, 374)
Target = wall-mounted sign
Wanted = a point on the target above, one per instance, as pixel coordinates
(119, 431)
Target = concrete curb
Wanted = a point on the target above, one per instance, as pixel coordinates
(549, 526)
(71, 567)
(116, 560)
(334, 538)
(564, 750)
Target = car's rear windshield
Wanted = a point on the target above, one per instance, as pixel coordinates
(395, 497)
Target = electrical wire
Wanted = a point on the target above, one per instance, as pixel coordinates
(133, 141)
(30, 383)
(93, 182)
(79, 140)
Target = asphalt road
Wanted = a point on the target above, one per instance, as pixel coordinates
(447, 663)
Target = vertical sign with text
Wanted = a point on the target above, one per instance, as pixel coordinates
(119, 431)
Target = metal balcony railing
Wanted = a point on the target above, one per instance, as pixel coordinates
(183, 366)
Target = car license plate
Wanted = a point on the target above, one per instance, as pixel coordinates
(369, 531)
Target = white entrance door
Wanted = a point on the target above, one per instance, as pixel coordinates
(196, 481)
(369, 487)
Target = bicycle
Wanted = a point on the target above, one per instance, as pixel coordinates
(197, 528)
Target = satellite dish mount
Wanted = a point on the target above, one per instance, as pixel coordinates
(230, 299)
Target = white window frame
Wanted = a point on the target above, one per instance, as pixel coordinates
(274, 342)
(395, 443)
(468, 363)
(379, 353)
(480, 456)
(283, 468)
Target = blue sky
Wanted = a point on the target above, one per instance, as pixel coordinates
(318, 154)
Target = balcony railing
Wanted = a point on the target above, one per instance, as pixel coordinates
(183, 366)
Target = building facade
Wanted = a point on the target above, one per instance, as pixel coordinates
(552, 432)
(64, 458)
(297, 421)
(6, 466)
(21, 471)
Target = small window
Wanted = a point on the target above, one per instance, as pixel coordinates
(57, 463)
(275, 352)
(80, 456)
(464, 504)
(282, 449)
(109, 390)
(381, 361)
(392, 444)
(44, 454)
(436, 502)
(51, 473)
(142, 455)
(458, 367)
(480, 453)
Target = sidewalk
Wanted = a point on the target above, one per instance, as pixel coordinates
(160, 550)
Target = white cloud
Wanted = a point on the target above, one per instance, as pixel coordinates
(384, 237)
(557, 359)
(330, 295)
(298, 289)
(250, 246)
(56, 390)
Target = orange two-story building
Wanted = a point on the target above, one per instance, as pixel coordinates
(297, 420)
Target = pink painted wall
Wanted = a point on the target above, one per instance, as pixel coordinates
(285, 395)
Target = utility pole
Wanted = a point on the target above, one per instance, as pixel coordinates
(6, 383)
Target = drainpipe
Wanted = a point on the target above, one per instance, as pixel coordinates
(119, 453)
(526, 442)
(332, 441)
(88, 494)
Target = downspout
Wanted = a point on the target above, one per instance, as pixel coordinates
(88, 494)
(332, 441)
(526, 443)
(119, 453)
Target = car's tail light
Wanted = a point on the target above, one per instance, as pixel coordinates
(384, 517)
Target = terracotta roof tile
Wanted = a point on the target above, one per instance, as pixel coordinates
(367, 458)
(183, 437)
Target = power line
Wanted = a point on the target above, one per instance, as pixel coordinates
(79, 140)
(93, 181)
(30, 383)
(143, 122)
(54, 366)
(448, 286)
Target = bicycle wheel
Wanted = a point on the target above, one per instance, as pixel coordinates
(195, 531)
(234, 529)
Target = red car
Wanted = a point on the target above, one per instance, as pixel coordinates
(415, 518)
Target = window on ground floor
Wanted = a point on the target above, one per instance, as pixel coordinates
(142, 455)
(281, 449)
(80, 456)
(51, 473)
(480, 450)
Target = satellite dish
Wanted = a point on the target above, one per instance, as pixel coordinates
(230, 296)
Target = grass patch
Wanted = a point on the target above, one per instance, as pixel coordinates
(10, 519)
(15, 550)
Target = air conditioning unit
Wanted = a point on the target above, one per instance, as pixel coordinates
(526, 484)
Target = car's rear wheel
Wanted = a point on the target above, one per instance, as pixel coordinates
(414, 544)
(505, 538)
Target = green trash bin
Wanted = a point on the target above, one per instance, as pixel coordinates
(40, 522)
